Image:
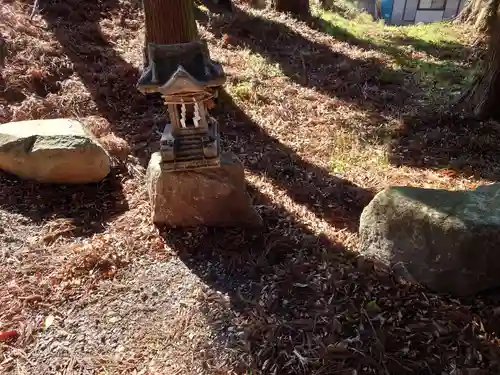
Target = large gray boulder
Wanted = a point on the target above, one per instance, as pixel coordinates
(208, 197)
(448, 241)
(52, 151)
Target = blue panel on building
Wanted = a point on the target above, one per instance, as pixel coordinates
(386, 9)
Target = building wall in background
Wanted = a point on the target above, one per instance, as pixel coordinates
(426, 16)
(417, 11)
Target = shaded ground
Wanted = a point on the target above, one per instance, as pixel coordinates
(319, 124)
(454, 144)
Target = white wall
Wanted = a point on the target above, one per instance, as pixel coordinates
(411, 10)
(425, 16)
(411, 14)
(398, 7)
(451, 9)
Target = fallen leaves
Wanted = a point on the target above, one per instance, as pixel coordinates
(32, 298)
(307, 312)
(338, 348)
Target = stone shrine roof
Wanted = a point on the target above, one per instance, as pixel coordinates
(189, 62)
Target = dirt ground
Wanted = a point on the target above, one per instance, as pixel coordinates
(91, 287)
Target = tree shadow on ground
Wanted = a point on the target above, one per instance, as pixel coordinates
(87, 206)
(94, 59)
(463, 146)
(315, 65)
(445, 50)
(335, 200)
(109, 79)
(281, 297)
(297, 302)
(449, 70)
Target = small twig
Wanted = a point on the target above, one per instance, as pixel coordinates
(378, 339)
(373, 328)
(32, 298)
(3, 52)
(304, 68)
(35, 9)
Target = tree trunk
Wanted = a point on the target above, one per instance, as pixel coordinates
(169, 22)
(484, 97)
(296, 7)
(469, 11)
(479, 13)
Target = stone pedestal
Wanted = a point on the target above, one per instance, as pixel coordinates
(207, 197)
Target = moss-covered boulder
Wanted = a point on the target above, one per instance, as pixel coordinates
(448, 241)
(52, 151)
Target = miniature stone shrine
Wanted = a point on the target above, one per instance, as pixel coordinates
(190, 182)
(186, 78)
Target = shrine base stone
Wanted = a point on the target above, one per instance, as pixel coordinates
(208, 197)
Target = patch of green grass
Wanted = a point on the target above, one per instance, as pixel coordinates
(441, 77)
(246, 91)
(438, 34)
(247, 86)
(241, 90)
(261, 67)
(361, 27)
(346, 8)
(433, 53)
(350, 153)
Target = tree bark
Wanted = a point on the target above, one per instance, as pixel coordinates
(469, 11)
(483, 98)
(296, 7)
(169, 22)
(479, 13)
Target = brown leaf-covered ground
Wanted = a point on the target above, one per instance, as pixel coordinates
(320, 124)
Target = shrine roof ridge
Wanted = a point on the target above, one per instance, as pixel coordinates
(180, 68)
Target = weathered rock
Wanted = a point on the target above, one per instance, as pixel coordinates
(446, 240)
(52, 151)
(209, 197)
